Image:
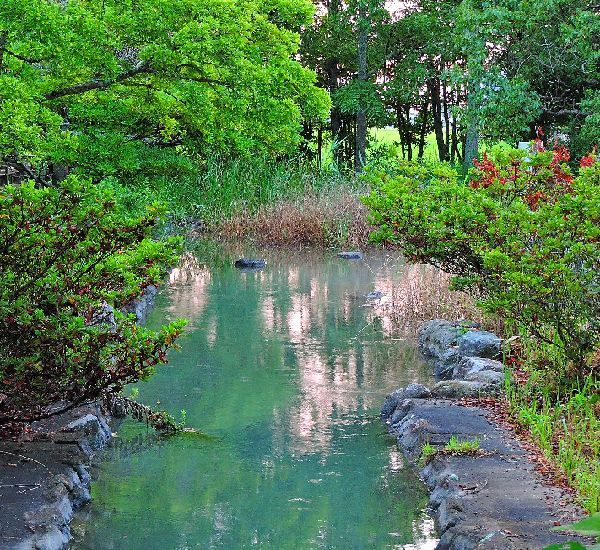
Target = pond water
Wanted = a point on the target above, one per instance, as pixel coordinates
(284, 371)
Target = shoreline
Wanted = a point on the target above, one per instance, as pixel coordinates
(489, 498)
(45, 474)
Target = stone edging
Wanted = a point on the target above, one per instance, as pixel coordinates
(44, 477)
(490, 499)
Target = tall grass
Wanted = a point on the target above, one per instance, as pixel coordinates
(566, 427)
(228, 189)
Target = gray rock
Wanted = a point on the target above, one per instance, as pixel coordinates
(455, 389)
(473, 365)
(480, 343)
(486, 377)
(416, 391)
(250, 263)
(104, 314)
(437, 336)
(446, 363)
(142, 305)
(391, 402)
(397, 398)
(354, 255)
(375, 295)
(89, 432)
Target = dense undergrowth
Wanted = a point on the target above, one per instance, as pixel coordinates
(521, 234)
(285, 202)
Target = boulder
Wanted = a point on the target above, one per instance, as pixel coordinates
(486, 377)
(455, 389)
(446, 363)
(250, 263)
(104, 314)
(472, 365)
(480, 343)
(416, 391)
(141, 305)
(90, 432)
(396, 398)
(437, 336)
(354, 255)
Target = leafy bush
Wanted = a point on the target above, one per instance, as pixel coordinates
(66, 253)
(522, 235)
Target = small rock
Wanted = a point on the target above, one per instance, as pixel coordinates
(355, 255)
(250, 263)
(480, 343)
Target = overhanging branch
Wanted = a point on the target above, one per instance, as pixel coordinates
(143, 67)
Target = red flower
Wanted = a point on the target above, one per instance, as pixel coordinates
(587, 161)
(561, 154)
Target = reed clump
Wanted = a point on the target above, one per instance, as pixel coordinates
(332, 218)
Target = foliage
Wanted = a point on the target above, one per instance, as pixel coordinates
(523, 236)
(455, 446)
(67, 253)
(107, 85)
(588, 527)
(565, 428)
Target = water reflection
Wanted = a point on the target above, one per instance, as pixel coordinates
(285, 369)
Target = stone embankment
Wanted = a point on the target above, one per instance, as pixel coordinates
(44, 475)
(492, 498)
(44, 478)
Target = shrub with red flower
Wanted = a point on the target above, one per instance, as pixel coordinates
(543, 177)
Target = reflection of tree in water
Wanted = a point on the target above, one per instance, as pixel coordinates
(188, 284)
(423, 294)
(288, 369)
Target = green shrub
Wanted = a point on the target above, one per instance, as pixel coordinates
(522, 234)
(66, 253)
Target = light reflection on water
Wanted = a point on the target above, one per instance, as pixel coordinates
(284, 369)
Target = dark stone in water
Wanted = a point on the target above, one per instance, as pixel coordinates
(250, 263)
(350, 255)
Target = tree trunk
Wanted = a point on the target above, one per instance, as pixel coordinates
(446, 118)
(472, 140)
(408, 137)
(319, 146)
(361, 115)
(423, 134)
(436, 110)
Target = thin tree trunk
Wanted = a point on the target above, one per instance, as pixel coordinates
(423, 134)
(446, 118)
(436, 109)
(408, 138)
(400, 126)
(361, 115)
(319, 147)
(472, 139)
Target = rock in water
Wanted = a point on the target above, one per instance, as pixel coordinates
(350, 255)
(250, 263)
(375, 295)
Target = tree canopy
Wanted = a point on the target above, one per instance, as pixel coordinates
(106, 83)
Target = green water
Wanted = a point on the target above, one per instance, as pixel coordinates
(284, 371)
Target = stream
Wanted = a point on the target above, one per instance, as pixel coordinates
(283, 371)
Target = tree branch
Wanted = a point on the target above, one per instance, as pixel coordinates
(143, 67)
